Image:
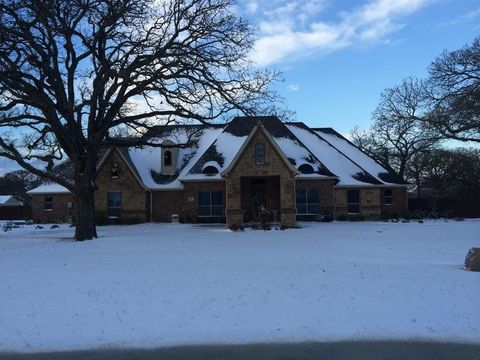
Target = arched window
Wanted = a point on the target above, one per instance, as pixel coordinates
(210, 170)
(306, 169)
(167, 158)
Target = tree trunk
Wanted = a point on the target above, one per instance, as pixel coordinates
(85, 221)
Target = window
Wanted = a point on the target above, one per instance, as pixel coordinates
(210, 203)
(306, 169)
(114, 204)
(210, 170)
(115, 170)
(259, 154)
(353, 201)
(167, 158)
(48, 202)
(387, 197)
(307, 202)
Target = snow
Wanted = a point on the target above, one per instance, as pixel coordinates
(49, 188)
(362, 159)
(149, 158)
(333, 159)
(4, 199)
(155, 285)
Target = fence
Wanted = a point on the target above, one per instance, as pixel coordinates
(467, 208)
(15, 212)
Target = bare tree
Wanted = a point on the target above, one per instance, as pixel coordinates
(454, 84)
(73, 73)
(398, 134)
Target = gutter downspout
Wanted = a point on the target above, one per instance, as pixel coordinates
(334, 204)
(151, 206)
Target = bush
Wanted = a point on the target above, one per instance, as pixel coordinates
(234, 227)
(342, 217)
(131, 221)
(356, 218)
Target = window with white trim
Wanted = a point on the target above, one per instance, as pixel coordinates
(307, 202)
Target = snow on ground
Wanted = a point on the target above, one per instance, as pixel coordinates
(156, 284)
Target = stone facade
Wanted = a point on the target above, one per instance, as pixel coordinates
(273, 165)
(134, 198)
(372, 202)
(399, 205)
(61, 211)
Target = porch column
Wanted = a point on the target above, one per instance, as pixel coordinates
(288, 212)
(233, 208)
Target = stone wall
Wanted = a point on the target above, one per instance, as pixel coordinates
(273, 166)
(370, 207)
(372, 204)
(399, 206)
(61, 211)
(135, 202)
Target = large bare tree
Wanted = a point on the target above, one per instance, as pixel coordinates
(74, 73)
(398, 134)
(454, 84)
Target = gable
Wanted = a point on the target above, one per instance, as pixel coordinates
(275, 161)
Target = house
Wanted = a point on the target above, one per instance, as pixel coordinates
(234, 173)
(13, 208)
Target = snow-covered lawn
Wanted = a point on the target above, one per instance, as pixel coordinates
(156, 285)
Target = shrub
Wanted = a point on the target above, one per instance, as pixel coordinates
(131, 221)
(234, 227)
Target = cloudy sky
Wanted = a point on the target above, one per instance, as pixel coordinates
(338, 55)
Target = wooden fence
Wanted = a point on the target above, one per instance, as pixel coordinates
(467, 208)
(15, 212)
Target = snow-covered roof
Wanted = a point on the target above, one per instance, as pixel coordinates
(9, 200)
(323, 151)
(379, 172)
(49, 188)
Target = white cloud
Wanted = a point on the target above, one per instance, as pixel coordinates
(293, 87)
(252, 7)
(289, 31)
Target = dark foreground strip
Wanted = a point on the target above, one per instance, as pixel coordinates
(359, 350)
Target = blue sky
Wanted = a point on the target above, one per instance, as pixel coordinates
(338, 56)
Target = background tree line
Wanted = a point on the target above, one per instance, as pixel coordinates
(417, 122)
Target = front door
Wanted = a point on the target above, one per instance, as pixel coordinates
(260, 194)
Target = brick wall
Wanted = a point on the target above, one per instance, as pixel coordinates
(184, 202)
(135, 202)
(59, 213)
(325, 188)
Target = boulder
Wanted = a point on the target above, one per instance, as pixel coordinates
(472, 261)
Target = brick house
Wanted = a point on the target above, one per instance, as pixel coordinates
(231, 173)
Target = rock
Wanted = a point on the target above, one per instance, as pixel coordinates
(472, 261)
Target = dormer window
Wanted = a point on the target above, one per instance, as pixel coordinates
(114, 170)
(306, 169)
(167, 158)
(259, 154)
